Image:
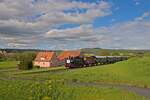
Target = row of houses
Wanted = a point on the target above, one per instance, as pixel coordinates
(50, 59)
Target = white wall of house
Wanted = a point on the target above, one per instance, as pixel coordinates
(42, 64)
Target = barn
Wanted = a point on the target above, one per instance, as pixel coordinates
(66, 54)
(46, 59)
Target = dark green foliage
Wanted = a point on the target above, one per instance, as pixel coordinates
(25, 60)
(25, 65)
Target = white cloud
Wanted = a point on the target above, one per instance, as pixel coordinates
(132, 34)
(22, 20)
(82, 30)
(26, 24)
(146, 14)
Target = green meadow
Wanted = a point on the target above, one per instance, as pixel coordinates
(135, 71)
(53, 83)
(49, 90)
(8, 64)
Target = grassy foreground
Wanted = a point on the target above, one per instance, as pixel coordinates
(32, 85)
(48, 90)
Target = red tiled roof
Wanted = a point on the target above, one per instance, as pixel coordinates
(44, 56)
(66, 54)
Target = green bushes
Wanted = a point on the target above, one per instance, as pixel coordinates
(25, 60)
(25, 65)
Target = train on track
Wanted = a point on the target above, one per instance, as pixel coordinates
(77, 62)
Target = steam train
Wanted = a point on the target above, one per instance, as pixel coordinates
(77, 62)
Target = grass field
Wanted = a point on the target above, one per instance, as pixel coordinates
(48, 90)
(8, 64)
(18, 84)
(135, 71)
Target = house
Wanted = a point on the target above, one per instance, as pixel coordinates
(46, 59)
(66, 54)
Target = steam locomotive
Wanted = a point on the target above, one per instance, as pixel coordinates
(77, 62)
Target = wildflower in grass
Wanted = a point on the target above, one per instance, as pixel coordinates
(46, 98)
(41, 90)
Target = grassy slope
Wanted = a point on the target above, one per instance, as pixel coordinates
(135, 71)
(8, 64)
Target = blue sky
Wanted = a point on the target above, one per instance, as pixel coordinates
(74, 24)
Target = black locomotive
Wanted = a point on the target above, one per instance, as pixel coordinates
(77, 62)
(74, 62)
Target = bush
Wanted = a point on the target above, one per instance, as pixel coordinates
(25, 65)
(25, 60)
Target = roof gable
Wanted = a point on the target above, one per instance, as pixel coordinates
(44, 56)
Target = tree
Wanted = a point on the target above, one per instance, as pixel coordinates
(25, 60)
(104, 52)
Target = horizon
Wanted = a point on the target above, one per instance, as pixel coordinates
(75, 24)
(71, 49)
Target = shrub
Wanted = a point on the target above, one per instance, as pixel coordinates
(25, 60)
(25, 65)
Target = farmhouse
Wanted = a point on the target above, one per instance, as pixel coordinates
(46, 59)
(66, 54)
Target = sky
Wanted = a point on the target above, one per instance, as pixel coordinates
(75, 24)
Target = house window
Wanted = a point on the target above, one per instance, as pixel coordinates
(42, 58)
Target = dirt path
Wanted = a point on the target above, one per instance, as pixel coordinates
(138, 90)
